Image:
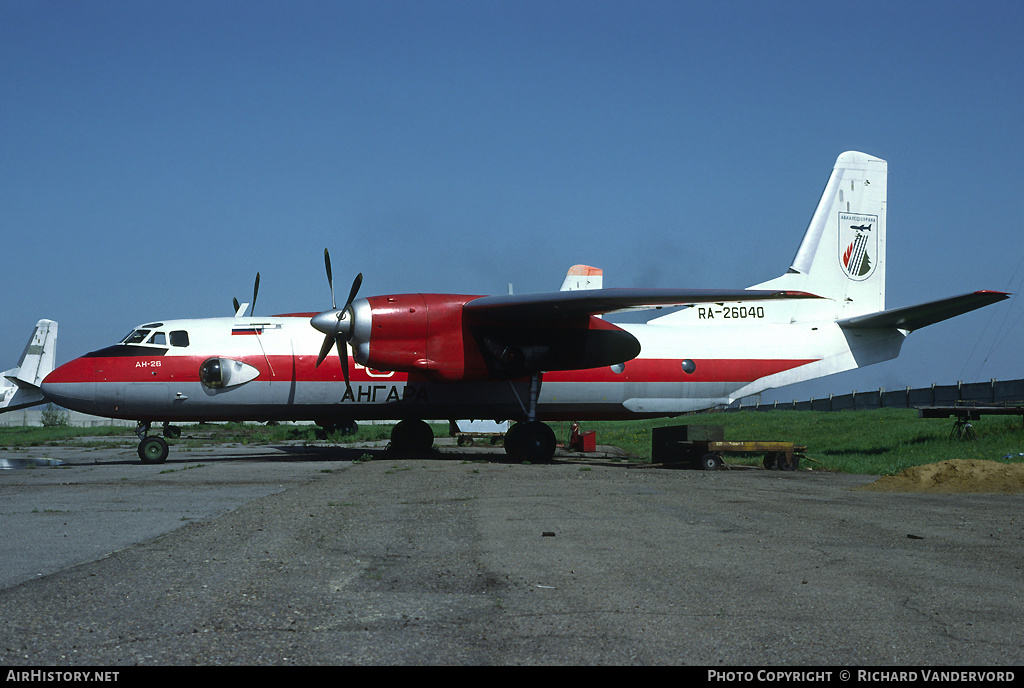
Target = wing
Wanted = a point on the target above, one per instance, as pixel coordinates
(572, 304)
(520, 334)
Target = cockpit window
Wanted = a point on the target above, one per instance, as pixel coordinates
(136, 337)
(146, 335)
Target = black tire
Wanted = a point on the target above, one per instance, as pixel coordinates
(513, 439)
(532, 441)
(153, 449)
(710, 462)
(412, 436)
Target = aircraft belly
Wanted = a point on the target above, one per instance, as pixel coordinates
(630, 399)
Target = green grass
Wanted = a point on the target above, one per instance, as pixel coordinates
(879, 442)
(872, 442)
(30, 436)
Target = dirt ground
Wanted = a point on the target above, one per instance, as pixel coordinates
(955, 476)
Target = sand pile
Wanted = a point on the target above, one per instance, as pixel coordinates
(955, 476)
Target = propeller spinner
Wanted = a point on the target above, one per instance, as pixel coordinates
(336, 324)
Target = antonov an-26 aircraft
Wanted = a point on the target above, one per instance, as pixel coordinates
(529, 358)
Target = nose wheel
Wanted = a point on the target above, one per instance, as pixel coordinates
(152, 448)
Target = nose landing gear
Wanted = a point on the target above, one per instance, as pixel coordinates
(153, 448)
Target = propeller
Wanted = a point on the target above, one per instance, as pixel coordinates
(337, 324)
(255, 291)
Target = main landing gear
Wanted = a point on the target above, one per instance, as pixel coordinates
(153, 448)
(527, 441)
(531, 440)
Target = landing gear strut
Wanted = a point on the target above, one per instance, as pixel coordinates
(532, 440)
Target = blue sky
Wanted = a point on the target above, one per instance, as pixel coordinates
(155, 156)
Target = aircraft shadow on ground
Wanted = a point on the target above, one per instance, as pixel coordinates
(363, 454)
(341, 453)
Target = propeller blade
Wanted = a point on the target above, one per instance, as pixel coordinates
(255, 290)
(343, 355)
(325, 349)
(355, 288)
(330, 278)
(235, 301)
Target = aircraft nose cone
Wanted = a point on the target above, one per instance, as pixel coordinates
(72, 385)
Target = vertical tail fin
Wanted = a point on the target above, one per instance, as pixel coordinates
(20, 386)
(842, 255)
(582, 277)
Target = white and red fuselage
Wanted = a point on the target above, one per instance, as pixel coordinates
(432, 367)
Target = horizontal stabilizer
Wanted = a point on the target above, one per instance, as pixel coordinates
(911, 318)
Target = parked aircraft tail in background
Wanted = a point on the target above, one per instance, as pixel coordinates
(20, 386)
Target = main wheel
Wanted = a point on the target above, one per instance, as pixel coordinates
(531, 441)
(153, 449)
(412, 436)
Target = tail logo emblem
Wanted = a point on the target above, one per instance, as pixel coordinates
(858, 245)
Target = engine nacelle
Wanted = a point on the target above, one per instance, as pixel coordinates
(430, 334)
(418, 333)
